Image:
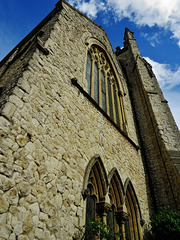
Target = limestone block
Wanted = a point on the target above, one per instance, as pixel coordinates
(18, 228)
(38, 233)
(21, 213)
(3, 219)
(11, 196)
(35, 122)
(46, 206)
(46, 235)
(6, 183)
(38, 144)
(43, 217)
(6, 143)
(22, 140)
(31, 199)
(4, 126)
(30, 147)
(23, 237)
(16, 101)
(5, 231)
(27, 223)
(73, 208)
(24, 189)
(41, 225)
(58, 201)
(32, 167)
(35, 220)
(8, 110)
(24, 85)
(12, 236)
(34, 208)
(4, 205)
(53, 224)
(13, 210)
(18, 92)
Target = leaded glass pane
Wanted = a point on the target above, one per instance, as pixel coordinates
(110, 100)
(90, 210)
(88, 72)
(103, 91)
(127, 230)
(116, 105)
(96, 83)
(110, 223)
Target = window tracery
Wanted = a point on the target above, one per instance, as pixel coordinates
(103, 87)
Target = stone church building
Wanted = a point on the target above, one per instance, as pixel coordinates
(85, 132)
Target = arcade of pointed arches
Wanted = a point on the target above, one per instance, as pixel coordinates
(108, 199)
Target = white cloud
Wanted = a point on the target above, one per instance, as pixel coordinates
(91, 7)
(166, 77)
(163, 13)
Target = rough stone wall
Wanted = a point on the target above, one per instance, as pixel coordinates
(158, 131)
(50, 131)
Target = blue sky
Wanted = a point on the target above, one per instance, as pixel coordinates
(155, 23)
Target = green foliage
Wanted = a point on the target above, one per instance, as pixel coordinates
(166, 225)
(102, 231)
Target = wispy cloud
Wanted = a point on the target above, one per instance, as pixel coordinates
(153, 39)
(162, 13)
(166, 77)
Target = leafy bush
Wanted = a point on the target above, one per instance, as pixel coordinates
(102, 231)
(166, 225)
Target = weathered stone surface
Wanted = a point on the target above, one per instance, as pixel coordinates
(34, 208)
(3, 219)
(8, 110)
(16, 101)
(6, 183)
(24, 189)
(11, 196)
(4, 205)
(38, 233)
(18, 228)
(27, 223)
(43, 216)
(5, 231)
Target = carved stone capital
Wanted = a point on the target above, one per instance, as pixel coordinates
(103, 207)
(121, 216)
(85, 193)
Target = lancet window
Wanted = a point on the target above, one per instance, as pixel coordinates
(132, 226)
(102, 85)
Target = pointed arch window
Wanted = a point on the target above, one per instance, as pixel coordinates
(116, 200)
(132, 226)
(103, 86)
(96, 187)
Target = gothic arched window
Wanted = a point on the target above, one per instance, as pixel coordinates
(132, 226)
(116, 200)
(96, 191)
(102, 85)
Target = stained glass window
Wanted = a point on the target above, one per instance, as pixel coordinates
(88, 72)
(96, 83)
(116, 105)
(98, 75)
(103, 91)
(110, 100)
